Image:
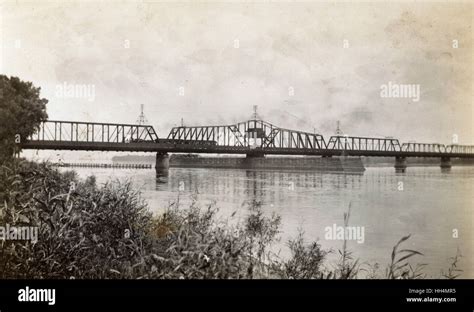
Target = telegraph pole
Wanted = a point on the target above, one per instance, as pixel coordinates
(255, 116)
(141, 118)
(338, 130)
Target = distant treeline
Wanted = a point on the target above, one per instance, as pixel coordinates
(367, 161)
(135, 158)
(147, 158)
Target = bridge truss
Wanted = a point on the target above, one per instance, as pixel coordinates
(437, 148)
(72, 131)
(363, 144)
(251, 133)
(252, 136)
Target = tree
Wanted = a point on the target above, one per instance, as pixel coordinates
(21, 112)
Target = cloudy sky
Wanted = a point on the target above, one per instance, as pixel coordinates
(306, 65)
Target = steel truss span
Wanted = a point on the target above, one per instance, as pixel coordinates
(252, 136)
(437, 148)
(72, 131)
(251, 133)
(363, 144)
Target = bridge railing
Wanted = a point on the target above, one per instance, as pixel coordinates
(73, 131)
(363, 144)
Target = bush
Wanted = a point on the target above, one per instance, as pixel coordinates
(305, 262)
(82, 230)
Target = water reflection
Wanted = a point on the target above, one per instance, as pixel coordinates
(270, 186)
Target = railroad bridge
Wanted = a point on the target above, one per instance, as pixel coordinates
(253, 138)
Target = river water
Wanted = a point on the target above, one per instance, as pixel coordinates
(435, 207)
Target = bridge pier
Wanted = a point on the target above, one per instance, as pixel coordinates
(445, 163)
(400, 164)
(162, 162)
(255, 155)
(253, 159)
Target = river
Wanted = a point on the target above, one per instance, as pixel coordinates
(435, 207)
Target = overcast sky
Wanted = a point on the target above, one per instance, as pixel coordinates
(209, 63)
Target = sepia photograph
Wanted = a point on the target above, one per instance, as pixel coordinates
(321, 141)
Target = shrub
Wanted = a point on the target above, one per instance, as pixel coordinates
(305, 262)
(81, 229)
(107, 232)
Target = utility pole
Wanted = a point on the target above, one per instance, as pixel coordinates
(255, 116)
(141, 118)
(338, 130)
